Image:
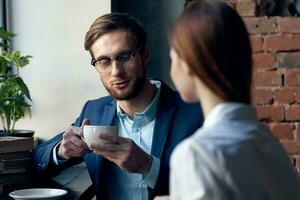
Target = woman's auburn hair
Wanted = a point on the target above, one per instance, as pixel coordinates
(212, 39)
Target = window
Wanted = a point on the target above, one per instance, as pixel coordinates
(3, 13)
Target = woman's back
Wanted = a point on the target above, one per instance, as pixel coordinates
(232, 157)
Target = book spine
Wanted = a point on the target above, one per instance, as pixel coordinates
(14, 163)
(13, 171)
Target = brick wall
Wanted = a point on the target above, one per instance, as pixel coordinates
(276, 74)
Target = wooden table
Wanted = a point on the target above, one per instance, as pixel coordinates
(75, 180)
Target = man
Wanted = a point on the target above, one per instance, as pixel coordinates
(152, 118)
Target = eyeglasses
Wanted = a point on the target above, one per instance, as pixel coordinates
(103, 64)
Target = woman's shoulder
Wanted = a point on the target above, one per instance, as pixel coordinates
(204, 143)
(186, 148)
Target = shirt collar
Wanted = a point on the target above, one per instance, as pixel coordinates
(229, 111)
(143, 118)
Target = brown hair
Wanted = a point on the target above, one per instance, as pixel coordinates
(116, 21)
(212, 38)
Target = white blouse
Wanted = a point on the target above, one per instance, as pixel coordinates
(232, 157)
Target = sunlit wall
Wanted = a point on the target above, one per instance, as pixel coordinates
(59, 76)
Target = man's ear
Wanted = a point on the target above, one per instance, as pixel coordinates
(146, 54)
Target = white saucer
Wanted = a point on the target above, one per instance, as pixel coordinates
(38, 193)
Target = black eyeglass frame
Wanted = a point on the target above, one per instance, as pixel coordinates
(131, 54)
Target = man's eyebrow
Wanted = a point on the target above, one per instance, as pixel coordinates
(102, 57)
(117, 54)
(124, 51)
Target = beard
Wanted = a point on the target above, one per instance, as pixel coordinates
(130, 92)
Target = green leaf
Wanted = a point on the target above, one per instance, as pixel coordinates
(23, 61)
(14, 94)
(5, 34)
(23, 87)
(4, 45)
(3, 65)
(25, 104)
(15, 55)
(7, 56)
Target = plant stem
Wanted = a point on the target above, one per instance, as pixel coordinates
(13, 125)
(3, 123)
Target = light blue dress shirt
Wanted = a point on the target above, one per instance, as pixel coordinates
(133, 186)
(232, 157)
(123, 185)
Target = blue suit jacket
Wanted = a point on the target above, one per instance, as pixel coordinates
(175, 121)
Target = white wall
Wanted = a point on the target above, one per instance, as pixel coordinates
(59, 76)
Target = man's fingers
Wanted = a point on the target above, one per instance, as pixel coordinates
(69, 138)
(69, 150)
(105, 147)
(79, 142)
(78, 131)
(85, 122)
(113, 138)
(110, 155)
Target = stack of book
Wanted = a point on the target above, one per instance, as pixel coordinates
(15, 159)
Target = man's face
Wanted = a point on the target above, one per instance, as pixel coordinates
(123, 80)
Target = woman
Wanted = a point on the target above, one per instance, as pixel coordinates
(232, 156)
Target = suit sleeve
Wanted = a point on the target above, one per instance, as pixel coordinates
(42, 155)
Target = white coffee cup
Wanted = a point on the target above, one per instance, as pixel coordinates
(91, 133)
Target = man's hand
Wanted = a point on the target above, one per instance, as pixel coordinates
(72, 146)
(123, 152)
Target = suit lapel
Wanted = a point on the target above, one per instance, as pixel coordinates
(161, 129)
(108, 114)
(165, 112)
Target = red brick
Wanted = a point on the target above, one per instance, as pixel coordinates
(282, 42)
(292, 77)
(297, 131)
(286, 95)
(292, 147)
(246, 8)
(298, 96)
(257, 43)
(289, 25)
(261, 96)
(292, 113)
(267, 79)
(282, 131)
(288, 60)
(260, 25)
(270, 113)
(263, 61)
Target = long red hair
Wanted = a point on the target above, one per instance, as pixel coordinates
(212, 38)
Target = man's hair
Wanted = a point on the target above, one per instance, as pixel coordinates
(212, 38)
(112, 22)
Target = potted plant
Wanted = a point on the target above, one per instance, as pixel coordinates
(14, 94)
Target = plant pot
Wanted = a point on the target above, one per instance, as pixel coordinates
(18, 133)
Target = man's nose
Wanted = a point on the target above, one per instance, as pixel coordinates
(116, 68)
